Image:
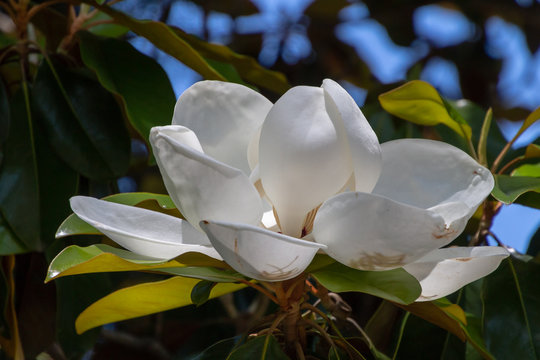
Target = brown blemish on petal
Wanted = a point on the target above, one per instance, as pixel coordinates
(236, 245)
(464, 259)
(447, 232)
(377, 261)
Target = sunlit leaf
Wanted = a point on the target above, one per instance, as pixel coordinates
(205, 273)
(508, 188)
(165, 39)
(101, 258)
(511, 298)
(419, 102)
(396, 285)
(483, 139)
(532, 170)
(532, 151)
(531, 119)
(144, 299)
(140, 82)
(73, 225)
(260, 348)
(247, 67)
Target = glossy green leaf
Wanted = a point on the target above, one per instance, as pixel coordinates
(105, 29)
(531, 119)
(144, 299)
(57, 183)
(511, 298)
(201, 292)
(453, 319)
(140, 82)
(247, 67)
(483, 139)
(165, 39)
(73, 225)
(9, 244)
(259, 348)
(532, 170)
(82, 121)
(97, 258)
(395, 285)
(508, 188)
(19, 183)
(419, 102)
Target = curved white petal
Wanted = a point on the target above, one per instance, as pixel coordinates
(142, 231)
(427, 173)
(258, 253)
(224, 116)
(363, 143)
(303, 156)
(444, 271)
(200, 186)
(371, 232)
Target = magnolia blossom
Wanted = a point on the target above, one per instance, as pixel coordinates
(265, 186)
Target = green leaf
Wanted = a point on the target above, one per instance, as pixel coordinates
(73, 225)
(9, 244)
(105, 29)
(508, 188)
(201, 292)
(19, 184)
(453, 319)
(140, 82)
(531, 119)
(395, 285)
(165, 39)
(144, 299)
(483, 139)
(532, 151)
(531, 170)
(511, 298)
(82, 121)
(97, 258)
(219, 350)
(247, 67)
(260, 348)
(419, 102)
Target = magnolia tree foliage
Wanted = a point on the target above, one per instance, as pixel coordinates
(292, 206)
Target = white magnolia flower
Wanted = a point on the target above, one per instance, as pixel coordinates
(265, 186)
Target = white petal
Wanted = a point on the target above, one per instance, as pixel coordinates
(303, 156)
(370, 232)
(142, 231)
(363, 143)
(444, 271)
(258, 253)
(200, 186)
(224, 116)
(427, 173)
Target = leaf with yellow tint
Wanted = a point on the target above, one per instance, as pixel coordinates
(419, 102)
(75, 260)
(144, 299)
